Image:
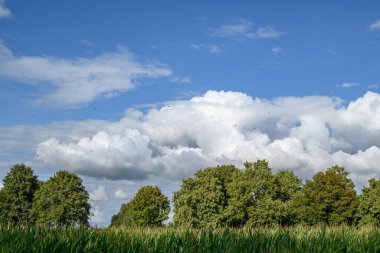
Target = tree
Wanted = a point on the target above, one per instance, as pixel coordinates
(261, 198)
(225, 195)
(369, 203)
(123, 217)
(329, 198)
(16, 196)
(148, 208)
(202, 200)
(62, 201)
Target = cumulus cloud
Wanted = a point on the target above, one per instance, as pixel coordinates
(245, 29)
(347, 85)
(97, 215)
(375, 26)
(4, 11)
(305, 134)
(120, 194)
(79, 81)
(99, 194)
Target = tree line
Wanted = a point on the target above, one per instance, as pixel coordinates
(221, 196)
(225, 196)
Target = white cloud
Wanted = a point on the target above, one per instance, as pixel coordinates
(214, 49)
(196, 46)
(120, 194)
(242, 28)
(80, 80)
(4, 11)
(375, 26)
(276, 50)
(267, 32)
(245, 29)
(211, 48)
(306, 134)
(98, 215)
(347, 85)
(373, 86)
(99, 194)
(178, 79)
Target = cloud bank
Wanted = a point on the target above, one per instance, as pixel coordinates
(305, 134)
(78, 81)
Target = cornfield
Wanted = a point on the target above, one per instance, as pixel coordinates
(299, 239)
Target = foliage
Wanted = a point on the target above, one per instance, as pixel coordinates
(202, 200)
(62, 201)
(123, 217)
(329, 198)
(148, 208)
(369, 207)
(298, 239)
(260, 198)
(224, 195)
(16, 196)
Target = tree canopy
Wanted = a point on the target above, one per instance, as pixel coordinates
(202, 200)
(328, 198)
(148, 208)
(225, 195)
(369, 204)
(61, 201)
(259, 197)
(16, 196)
(123, 217)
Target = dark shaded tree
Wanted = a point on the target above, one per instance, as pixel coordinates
(328, 198)
(123, 217)
(16, 196)
(369, 203)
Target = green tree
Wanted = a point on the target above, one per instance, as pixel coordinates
(148, 208)
(239, 189)
(261, 198)
(62, 201)
(123, 217)
(272, 206)
(329, 198)
(227, 196)
(16, 196)
(202, 200)
(369, 203)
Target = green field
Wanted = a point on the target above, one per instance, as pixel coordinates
(300, 239)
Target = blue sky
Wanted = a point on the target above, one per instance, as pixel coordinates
(324, 44)
(80, 77)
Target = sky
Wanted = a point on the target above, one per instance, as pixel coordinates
(135, 93)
